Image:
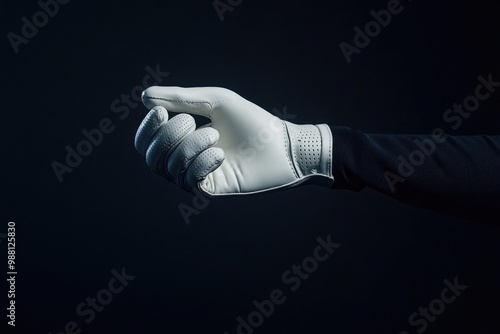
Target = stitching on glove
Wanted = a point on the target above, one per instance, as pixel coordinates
(294, 151)
(282, 186)
(211, 104)
(330, 142)
(286, 140)
(178, 101)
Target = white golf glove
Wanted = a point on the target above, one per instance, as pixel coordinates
(244, 150)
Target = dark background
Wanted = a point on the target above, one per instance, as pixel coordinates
(113, 212)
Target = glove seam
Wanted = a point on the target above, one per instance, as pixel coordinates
(330, 142)
(177, 101)
(211, 104)
(330, 150)
(286, 185)
(288, 149)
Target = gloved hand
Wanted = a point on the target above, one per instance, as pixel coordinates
(244, 150)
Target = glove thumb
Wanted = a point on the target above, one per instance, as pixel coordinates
(198, 101)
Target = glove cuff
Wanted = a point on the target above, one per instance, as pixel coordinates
(311, 151)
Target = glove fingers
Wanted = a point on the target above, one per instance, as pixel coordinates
(166, 139)
(188, 149)
(148, 128)
(205, 163)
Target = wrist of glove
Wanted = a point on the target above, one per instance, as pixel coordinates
(244, 150)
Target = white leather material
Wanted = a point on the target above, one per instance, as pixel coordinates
(194, 143)
(203, 165)
(326, 159)
(245, 149)
(166, 138)
(149, 126)
(306, 148)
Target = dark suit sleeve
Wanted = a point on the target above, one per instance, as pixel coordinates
(455, 175)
